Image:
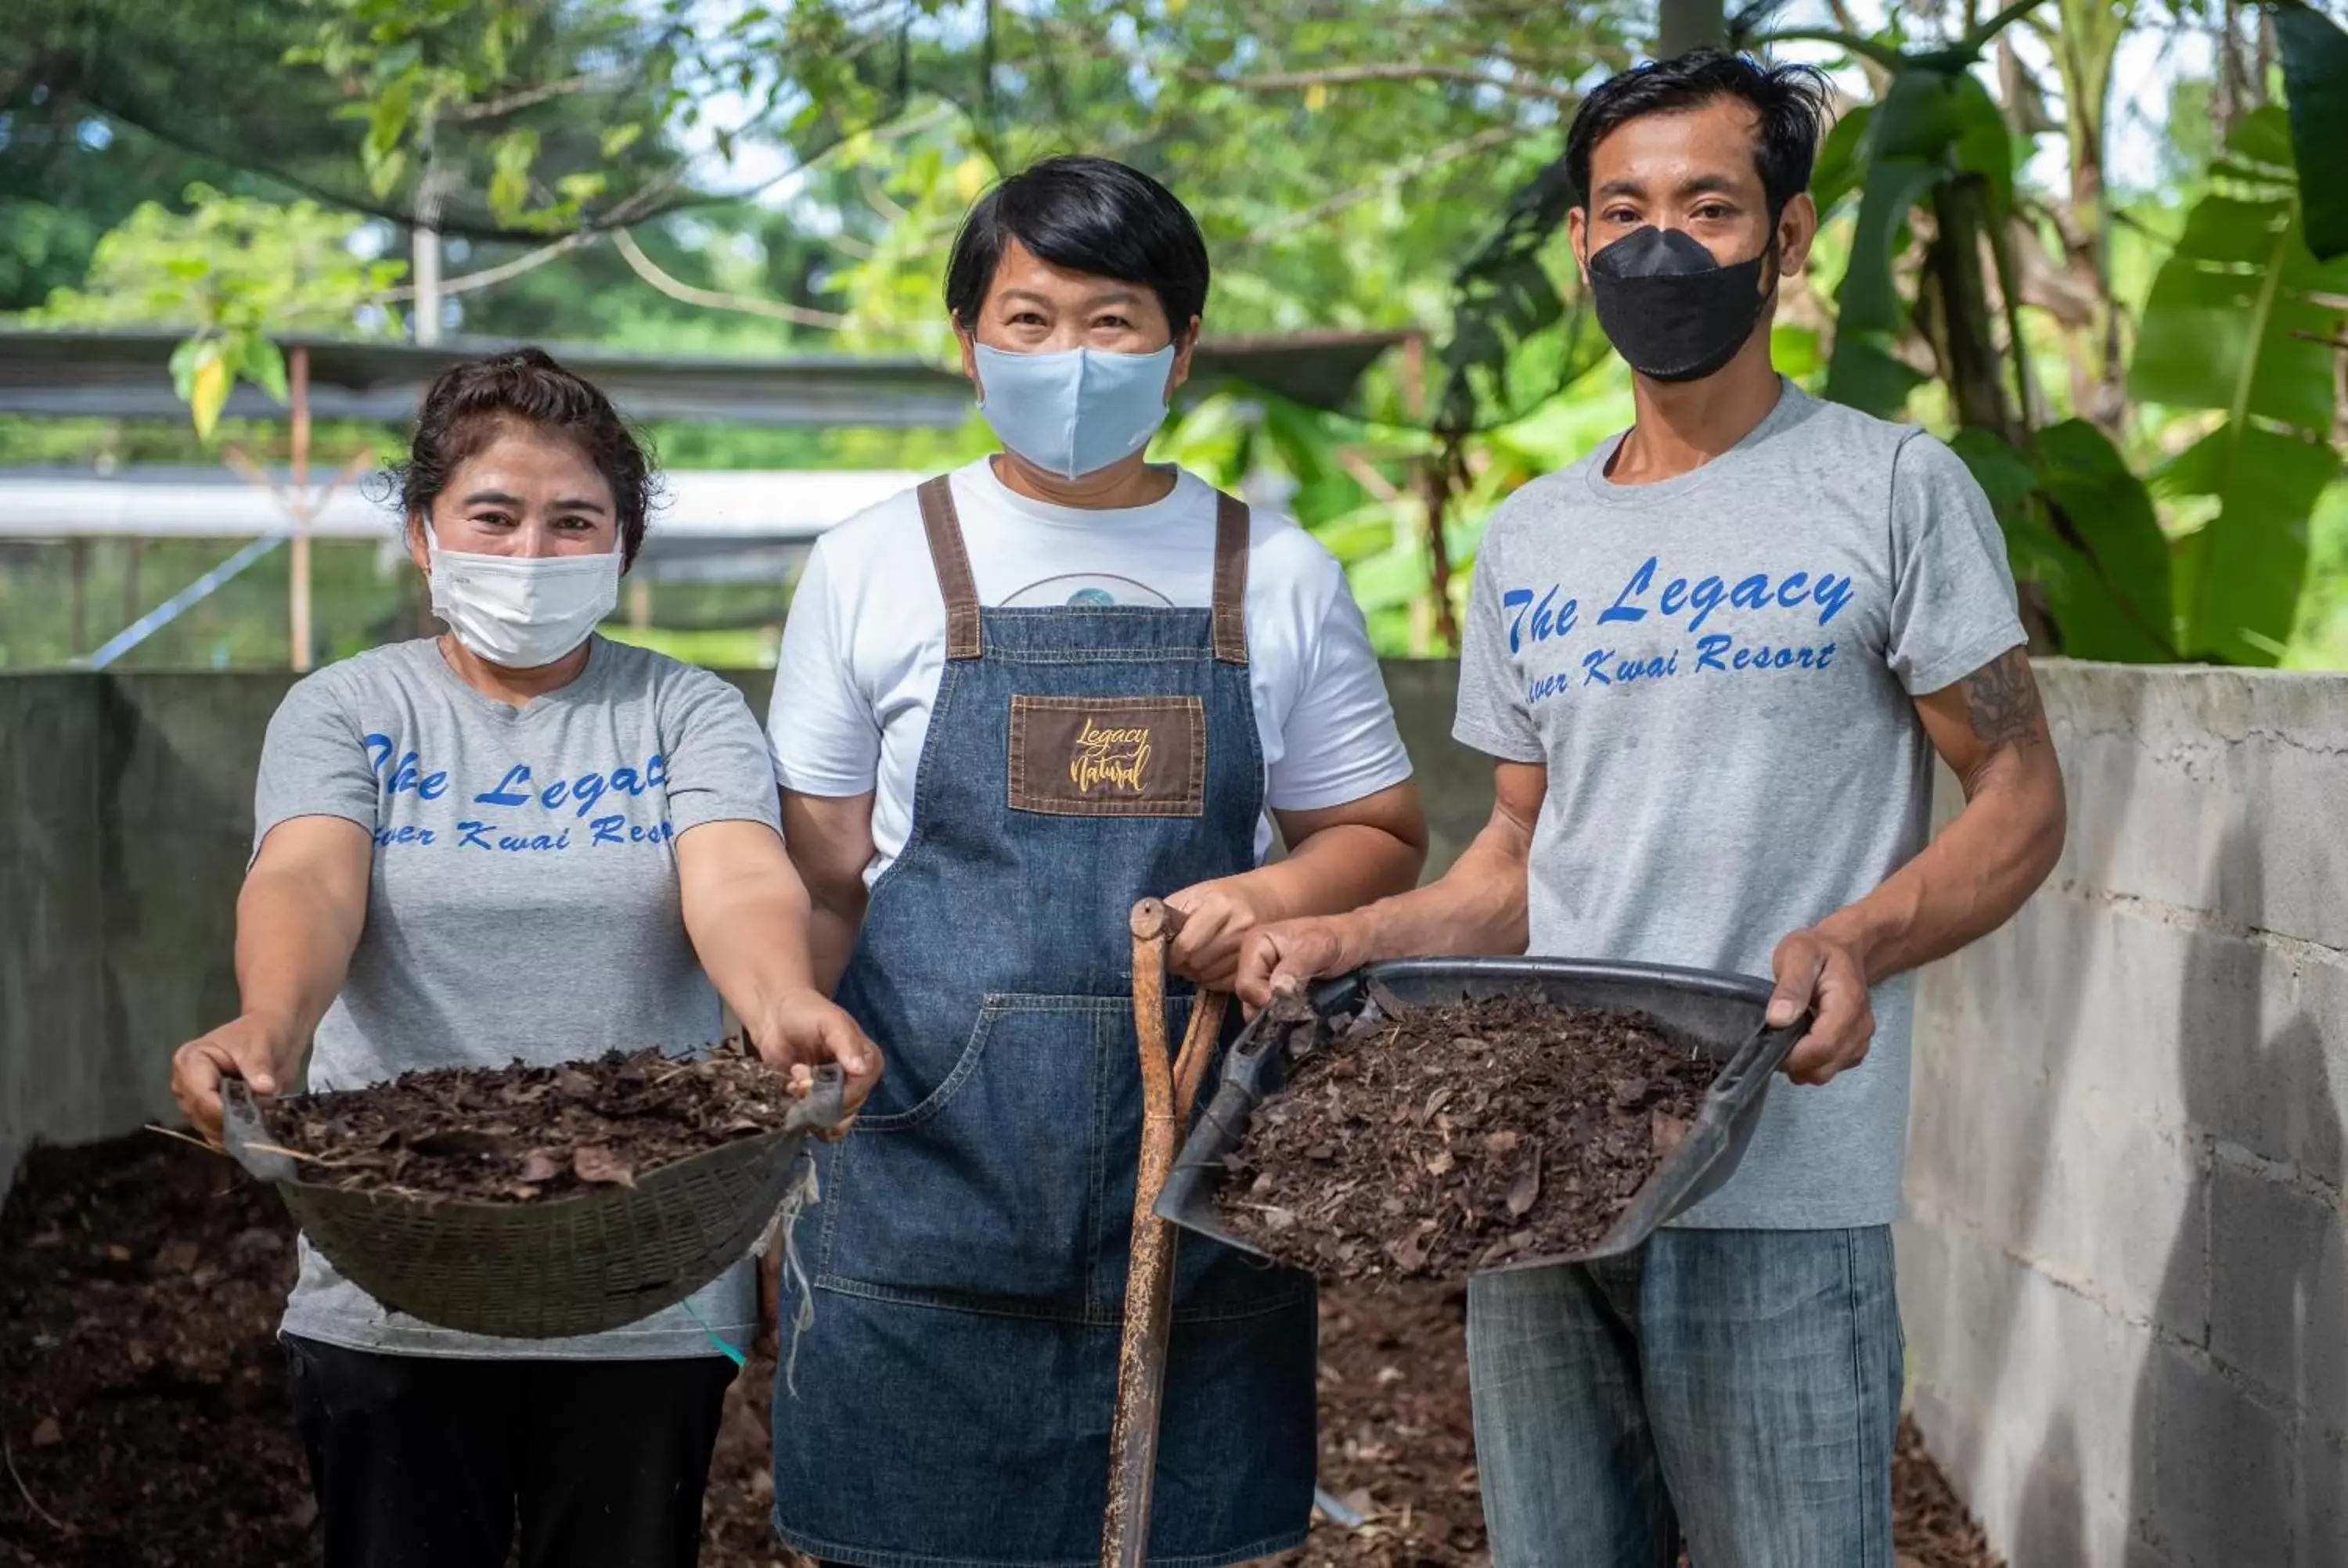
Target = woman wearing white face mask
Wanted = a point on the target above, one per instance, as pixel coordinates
(517, 840)
(1113, 683)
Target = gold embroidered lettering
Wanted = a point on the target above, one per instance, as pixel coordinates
(1114, 759)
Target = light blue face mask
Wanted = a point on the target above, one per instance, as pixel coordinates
(1076, 410)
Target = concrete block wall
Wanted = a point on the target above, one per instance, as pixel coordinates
(126, 817)
(2125, 1274)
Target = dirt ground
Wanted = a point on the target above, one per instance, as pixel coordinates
(143, 1420)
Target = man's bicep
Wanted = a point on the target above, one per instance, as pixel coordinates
(1994, 712)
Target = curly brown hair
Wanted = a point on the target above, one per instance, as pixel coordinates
(470, 403)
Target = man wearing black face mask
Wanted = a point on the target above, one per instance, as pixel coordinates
(1713, 661)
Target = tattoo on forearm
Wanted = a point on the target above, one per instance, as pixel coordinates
(2002, 701)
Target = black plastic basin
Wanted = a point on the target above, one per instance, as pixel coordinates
(1718, 1015)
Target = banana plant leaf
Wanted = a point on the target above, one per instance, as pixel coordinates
(2234, 324)
(2315, 82)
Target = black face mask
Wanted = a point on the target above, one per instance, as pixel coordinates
(1670, 310)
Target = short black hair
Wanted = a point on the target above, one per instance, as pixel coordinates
(1792, 102)
(1089, 215)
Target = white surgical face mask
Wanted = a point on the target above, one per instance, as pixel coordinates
(1073, 412)
(521, 612)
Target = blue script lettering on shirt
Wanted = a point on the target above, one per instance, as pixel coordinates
(1716, 651)
(609, 830)
(1538, 617)
(477, 834)
(404, 775)
(1719, 651)
(1546, 620)
(518, 788)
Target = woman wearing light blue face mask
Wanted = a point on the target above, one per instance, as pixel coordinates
(517, 840)
(1114, 684)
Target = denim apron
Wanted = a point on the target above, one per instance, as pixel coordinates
(955, 1388)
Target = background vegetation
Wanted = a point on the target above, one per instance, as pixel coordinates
(2141, 355)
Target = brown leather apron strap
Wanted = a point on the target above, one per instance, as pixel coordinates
(950, 559)
(1230, 580)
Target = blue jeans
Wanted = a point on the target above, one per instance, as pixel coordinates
(1736, 1389)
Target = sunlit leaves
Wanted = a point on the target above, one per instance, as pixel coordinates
(2236, 323)
(234, 273)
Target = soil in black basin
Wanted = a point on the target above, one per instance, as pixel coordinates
(1448, 1139)
(515, 1133)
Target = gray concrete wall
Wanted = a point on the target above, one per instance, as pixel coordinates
(126, 806)
(2125, 1276)
(126, 815)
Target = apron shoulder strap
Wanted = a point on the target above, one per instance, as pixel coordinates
(1231, 579)
(951, 560)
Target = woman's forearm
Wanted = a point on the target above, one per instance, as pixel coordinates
(748, 916)
(295, 938)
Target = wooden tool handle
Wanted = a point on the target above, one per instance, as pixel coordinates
(1156, 920)
(1169, 1087)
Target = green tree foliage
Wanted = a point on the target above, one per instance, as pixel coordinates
(2236, 324)
(232, 271)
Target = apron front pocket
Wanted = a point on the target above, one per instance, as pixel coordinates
(989, 1184)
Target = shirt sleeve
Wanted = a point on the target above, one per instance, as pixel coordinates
(1339, 743)
(1952, 599)
(315, 762)
(822, 728)
(717, 760)
(1492, 715)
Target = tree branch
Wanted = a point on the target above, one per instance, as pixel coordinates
(528, 97)
(714, 300)
(1395, 71)
(1883, 54)
(1400, 174)
(2000, 23)
(529, 261)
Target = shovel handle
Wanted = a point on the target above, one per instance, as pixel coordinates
(1169, 1087)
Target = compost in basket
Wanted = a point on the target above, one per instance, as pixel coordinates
(539, 1203)
(1444, 1139)
(517, 1134)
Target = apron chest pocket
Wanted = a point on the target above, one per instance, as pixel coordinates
(1108, 756)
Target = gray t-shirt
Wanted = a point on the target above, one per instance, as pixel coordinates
(1717, 670)
(523, 903)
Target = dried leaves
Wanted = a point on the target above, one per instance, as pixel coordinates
(515, 1133)
(1449, 1139)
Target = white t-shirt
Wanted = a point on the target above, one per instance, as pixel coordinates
(864, 649)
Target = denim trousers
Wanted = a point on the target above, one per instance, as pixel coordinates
(1736, 1390)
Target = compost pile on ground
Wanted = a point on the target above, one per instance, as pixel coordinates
(511, 1134)
(143, 1419)
(1438, 1140)
(143, 1413)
